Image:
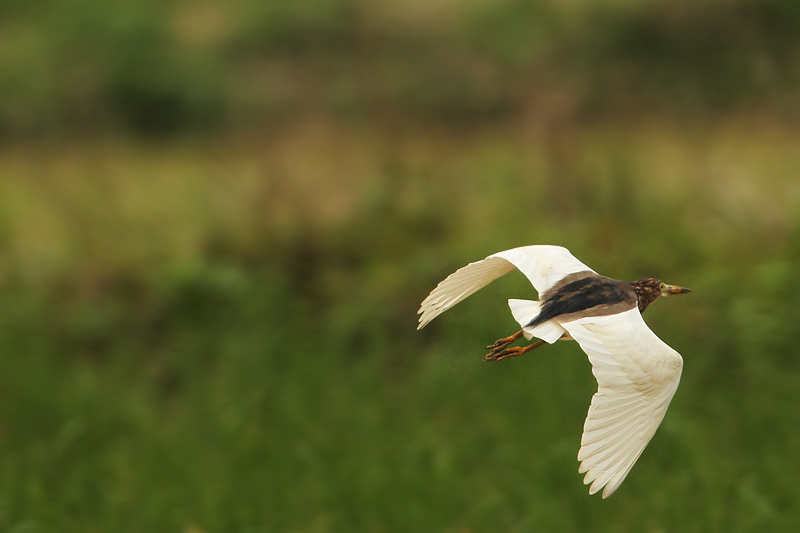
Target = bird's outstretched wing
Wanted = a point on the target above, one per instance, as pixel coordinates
(543, 265)
(637, 375)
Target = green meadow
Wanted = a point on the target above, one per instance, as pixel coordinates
(217, 225)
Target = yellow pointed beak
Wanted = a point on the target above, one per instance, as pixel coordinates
(674, 289)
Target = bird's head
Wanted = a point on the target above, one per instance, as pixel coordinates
(651, 289)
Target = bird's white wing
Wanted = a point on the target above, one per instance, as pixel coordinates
(637, 375)
(543, 265)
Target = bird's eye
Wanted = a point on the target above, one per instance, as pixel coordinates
(662, 286)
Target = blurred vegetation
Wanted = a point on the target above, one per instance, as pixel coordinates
(172, 66)
(217, 221)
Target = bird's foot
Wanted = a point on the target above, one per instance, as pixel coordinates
(495, 350)
(499, 345)
(499, 355)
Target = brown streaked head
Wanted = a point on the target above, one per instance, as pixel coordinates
(648, 290)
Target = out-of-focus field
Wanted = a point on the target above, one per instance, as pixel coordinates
(217, 222)
(214, 337)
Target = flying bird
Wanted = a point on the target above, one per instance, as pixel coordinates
(637, 373)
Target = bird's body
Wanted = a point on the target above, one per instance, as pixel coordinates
(637, 373)
(585, 293)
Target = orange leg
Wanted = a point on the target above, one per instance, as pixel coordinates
(497, 355)
(502, 343)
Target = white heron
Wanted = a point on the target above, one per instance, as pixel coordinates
(637, 373)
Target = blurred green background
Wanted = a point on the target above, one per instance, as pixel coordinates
(217, 221)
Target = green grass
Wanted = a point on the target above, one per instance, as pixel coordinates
(233, 347)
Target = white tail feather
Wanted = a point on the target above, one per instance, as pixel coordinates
(526, 310)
